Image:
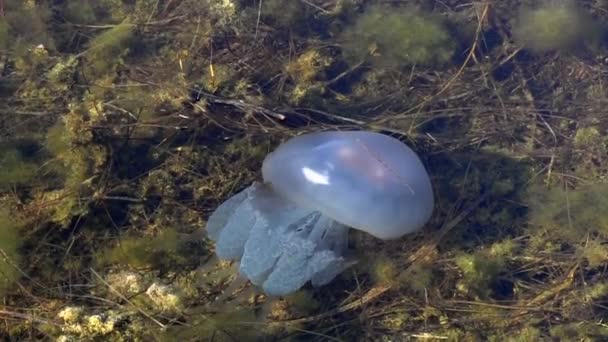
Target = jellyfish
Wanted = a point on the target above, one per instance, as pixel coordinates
(292, 228)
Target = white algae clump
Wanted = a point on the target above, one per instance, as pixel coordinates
(165, 297)
(77, 324)
(127, 283)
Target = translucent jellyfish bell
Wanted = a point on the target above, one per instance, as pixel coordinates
(293, 228)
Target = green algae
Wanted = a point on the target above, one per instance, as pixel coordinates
(144, 252)
(557, 25)
(395, 36)
(15, 169)
(572, 214)
(10, 256)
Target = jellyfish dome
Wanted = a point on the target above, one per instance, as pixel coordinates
(293, 227)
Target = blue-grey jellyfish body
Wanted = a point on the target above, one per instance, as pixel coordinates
(293, 228)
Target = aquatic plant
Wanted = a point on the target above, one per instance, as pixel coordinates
(76, 160)
(238, 324)
(396, 36)
(10, 241)
(553, 25)
(585, 137)
(481, 268)
(307, 73)
(24, 25)
(15, 169)
(579, 331)
(595, 252)
(285, 14)
(166, 298)
(127, 283)
(217, 77)
(4, 35)
(77, 324)
(221, 12)
(571, 214)
(383, 271)
(138, 252)
(107, 48)
(80, 12)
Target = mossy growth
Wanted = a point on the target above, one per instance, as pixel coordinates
(10, 241)
(527, 334)
(579, 331)
(77, 161)
(302, 303)
(165, 298)
(587, 136)
(80, 12)
(108, 48)
(15, 168)
(111, 325)
(391, 37)
(307, 73)
(4, 35)
(160, 251)
(374, 84)
(139, 103)
(57, 141)
(107, 11)
(221, 13)
(24, 25)
(594, 252)
(60, 75)
(218, 77)
(236, 325)
(396, 321)
(554, 25)
(596, 292)
(480, 269)
(284, 14)
(385, 271)
(570, 214)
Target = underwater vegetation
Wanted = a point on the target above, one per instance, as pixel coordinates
(109, 46)
(142, 252)
(125, 124)
(393, 37)
(554, 25)
(481, 268)
(15, 169)
(10, 242)
(573, 214)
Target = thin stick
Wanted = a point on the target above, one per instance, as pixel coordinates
(257, 22)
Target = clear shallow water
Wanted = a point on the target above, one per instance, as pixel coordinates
(107, 162)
